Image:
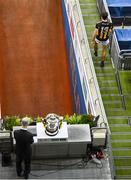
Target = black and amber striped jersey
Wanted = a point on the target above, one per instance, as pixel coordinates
(103, 30)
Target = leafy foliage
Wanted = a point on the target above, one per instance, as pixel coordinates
(80, 119)
(10, 121)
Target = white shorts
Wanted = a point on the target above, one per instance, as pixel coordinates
(102, 42)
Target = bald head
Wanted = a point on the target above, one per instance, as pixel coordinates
(25, 121)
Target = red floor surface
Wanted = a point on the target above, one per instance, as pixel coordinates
(34, 76)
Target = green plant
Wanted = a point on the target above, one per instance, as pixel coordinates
(80, 119)
(87, 119)
(39, 119)
(10, 121)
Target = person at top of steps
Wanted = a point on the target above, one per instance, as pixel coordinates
(103, 30)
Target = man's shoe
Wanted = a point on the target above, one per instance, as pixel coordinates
(102, 64)
(95, 53)
(26, 176)
(19, 174)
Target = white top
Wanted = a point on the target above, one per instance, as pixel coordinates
(62, 134)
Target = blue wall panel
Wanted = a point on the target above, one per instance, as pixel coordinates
(79, 103)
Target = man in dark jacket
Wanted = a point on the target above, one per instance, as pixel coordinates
(23, 150)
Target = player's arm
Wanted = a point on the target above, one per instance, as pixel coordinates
(94, 34)
(111, 29)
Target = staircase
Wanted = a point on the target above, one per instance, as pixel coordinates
(116, 115)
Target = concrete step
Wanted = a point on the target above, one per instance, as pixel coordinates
(126, 140)
(115, 109)
(122, 157)
(108, 88)
(116, 113)
(112, 105)
(121, 129)
(112, 102)
(90, 10)
(123, 136)
(89, 24)
(86, 5)
(105, 68)
(119, 125)
(117, 121)
(120, 133)
(121, 149)
(123, 177)
(87, 2)
(105, 91)
(123, 167)
(101, 78)
(113, 95)
(104, 75)
(118, 117)
(108, 81)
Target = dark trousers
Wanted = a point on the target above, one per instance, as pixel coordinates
(27, 165)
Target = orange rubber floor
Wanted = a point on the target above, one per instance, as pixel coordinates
(34, 77)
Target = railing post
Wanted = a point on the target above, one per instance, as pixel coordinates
(120, 89)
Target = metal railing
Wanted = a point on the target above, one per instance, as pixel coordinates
(120, 89)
